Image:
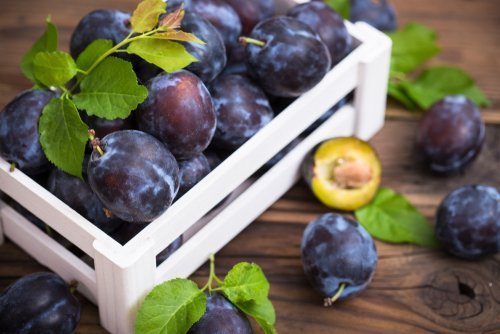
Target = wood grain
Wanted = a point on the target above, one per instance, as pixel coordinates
(415, 290)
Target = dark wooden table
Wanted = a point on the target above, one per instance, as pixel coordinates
(415, 290)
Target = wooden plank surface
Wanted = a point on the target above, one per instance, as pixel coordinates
(415, 290)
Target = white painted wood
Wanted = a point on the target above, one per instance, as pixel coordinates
(124, 274)
(2, 206)
(371, 92)
(47, 251)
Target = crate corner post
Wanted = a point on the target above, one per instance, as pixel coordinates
(2, 238)
(371, 94)
(123, 280)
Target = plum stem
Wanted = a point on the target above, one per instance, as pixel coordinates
(248, 40)
(336, 296)
(73, 285)
(95, 142)
(211, 276)
(12, 167)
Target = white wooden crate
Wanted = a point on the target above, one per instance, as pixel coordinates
(123, 275)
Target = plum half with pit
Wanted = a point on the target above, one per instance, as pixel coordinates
(221, 317)
(286, 57)
(339, 257)
(468, 221)
(19, 136)
(134, 175)
(328, 24)
(344, 173)
(39, 303)
(451, 134)
(178, 111)
(242, 110)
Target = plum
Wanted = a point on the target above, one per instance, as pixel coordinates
(344, 173)
(19, 137)
(211, 55)
(252, 12)
(328, 24)
(178, 111)
(468, 221)
(104, 127)
(108, 24)
(39, 303)
(136, 177)
(242, 110)
(221, 317)
(339, 256)
(221, 15)
(286, 56)
(191, 172)
(378, 13)
(79, 196)
(451, 134)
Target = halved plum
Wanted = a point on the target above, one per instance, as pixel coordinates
(344, 173)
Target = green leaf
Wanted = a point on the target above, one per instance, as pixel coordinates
(263, 312)
(390, 217)
(111, 90)
(412, 45)
(169, 56)
(437, 82)
(171, 308)
(63, 135)
(343, 7)
(397, 92)
(245, 282)
(145, 16)
(93, 52)
(46, 42)
(54, 68)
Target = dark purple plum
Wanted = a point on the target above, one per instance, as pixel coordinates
(145, 71)
(178, 111)
(337, 251)
(39, 303)
(468, 221)
(221, 317)
(221, 15)
(213, 158)
(19, 138)
(252, 12)
(451, 134)
(211, 55)
(292, 60)
(136, 178)
(191, 171)
(236, 63)
(125, 232)
(104, 127)
(378, 13)
(242, 110)
(100, 24)
(79, 196)
(328, 24)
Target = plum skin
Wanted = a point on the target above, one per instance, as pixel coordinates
(39, 303)
(137, 178)
(19, 136)
(338, 250)
(242, 110)
(468, 222)
(178, 111)
(451, 134)
(380, 14)
(328, 24)
(192, 171)
(293, 59)
(221, 317)
(99, 24)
